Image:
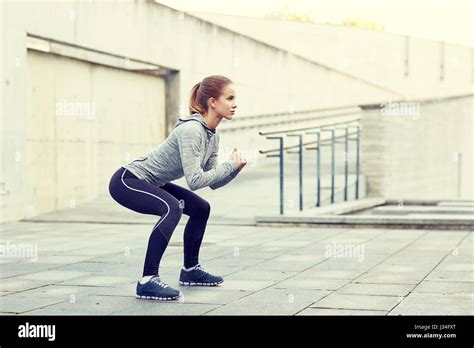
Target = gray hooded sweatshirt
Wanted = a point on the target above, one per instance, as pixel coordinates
(191, 151)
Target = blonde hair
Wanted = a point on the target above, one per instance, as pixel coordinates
(210, 87)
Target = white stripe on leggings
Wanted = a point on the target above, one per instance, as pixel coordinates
(148, 193)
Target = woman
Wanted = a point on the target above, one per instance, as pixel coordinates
(144, 185)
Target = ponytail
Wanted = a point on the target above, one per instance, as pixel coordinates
(194, 105)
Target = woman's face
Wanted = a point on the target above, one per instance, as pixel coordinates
(225, 105)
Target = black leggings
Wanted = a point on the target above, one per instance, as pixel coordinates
(169, 202)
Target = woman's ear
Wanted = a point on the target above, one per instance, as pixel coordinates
(211, 102)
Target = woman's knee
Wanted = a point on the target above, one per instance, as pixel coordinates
(207, 207)
(204, 208)
(175, 209)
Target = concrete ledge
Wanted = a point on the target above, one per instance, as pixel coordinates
(370, 220)
(465, 204)
(344, 207)
(428, 201)
(405, 210)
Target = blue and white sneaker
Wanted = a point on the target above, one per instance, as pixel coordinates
(198, 277)
(155, 289)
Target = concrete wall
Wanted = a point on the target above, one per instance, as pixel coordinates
(267, 80)
(411, 152)
(406, 65)
(78, 127)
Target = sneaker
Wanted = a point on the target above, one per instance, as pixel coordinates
(198, 277)
(155, 289)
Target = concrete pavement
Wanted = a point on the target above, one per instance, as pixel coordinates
(93, 269)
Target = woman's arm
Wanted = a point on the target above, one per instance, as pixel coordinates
(189, 142)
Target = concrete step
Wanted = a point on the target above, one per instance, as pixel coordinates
(460, 204)
(434, 210)
(413, 221)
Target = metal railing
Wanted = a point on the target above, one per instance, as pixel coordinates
(331, 142)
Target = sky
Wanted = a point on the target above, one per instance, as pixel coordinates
(451, 21)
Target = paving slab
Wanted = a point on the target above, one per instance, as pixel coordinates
(312, 283)
(445, 288)
(344, 312)
(435, 304)
(144, 307)
(272, 301)
(376, 289)
(90, 305)
(17, 305)
(361, 302)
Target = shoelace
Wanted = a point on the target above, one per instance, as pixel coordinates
(199, 268)
(202, 272)
(158, 281)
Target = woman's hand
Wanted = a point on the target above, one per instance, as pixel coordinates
(238, 159)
